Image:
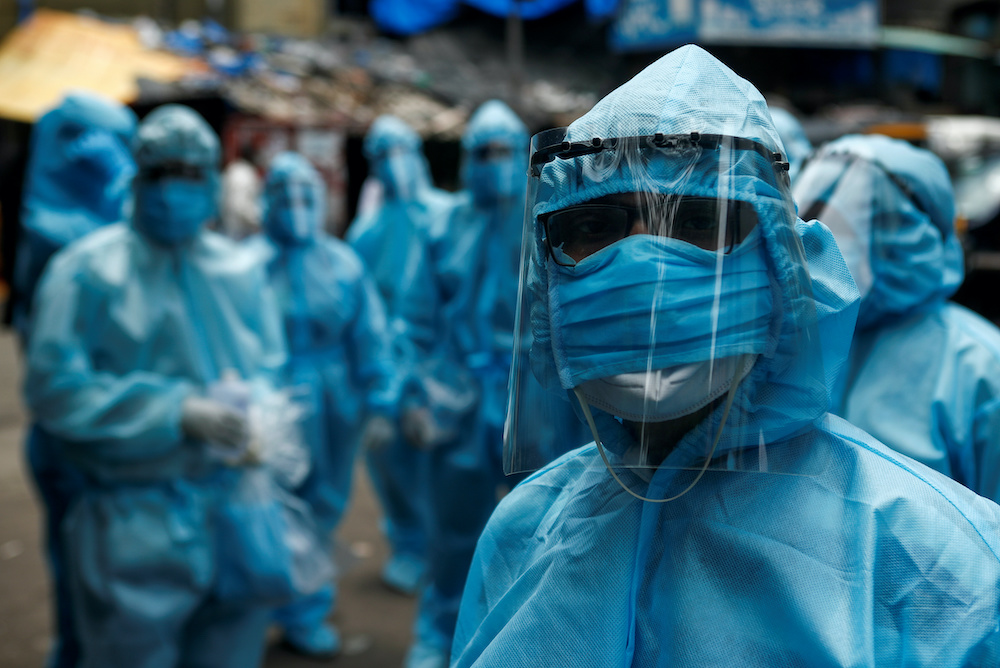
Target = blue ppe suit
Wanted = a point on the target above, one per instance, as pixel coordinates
(126, 326)
(77, 180)
(852, 555)
(480, 253)
(394, 241)
(793, 138)
(340, 358)
(924, 374)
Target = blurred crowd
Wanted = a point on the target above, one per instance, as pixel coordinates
(763, 433)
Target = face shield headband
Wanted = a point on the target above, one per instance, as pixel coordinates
(648, 289)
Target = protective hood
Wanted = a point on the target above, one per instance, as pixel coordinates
(797, 322)
(891, 207)
(495, 154)
(177, 186)
(294, 200)
(395, 157)
(81, 168)
(793, 138)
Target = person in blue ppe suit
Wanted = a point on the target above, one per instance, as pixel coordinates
(793, 138)
(482, 256)
(131, 327)
(394, 240)
(722, 516)
(78, 179)
(340, 362)
(924, 372)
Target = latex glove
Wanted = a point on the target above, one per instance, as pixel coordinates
(214, 422)
(378, 433)
(418, 427)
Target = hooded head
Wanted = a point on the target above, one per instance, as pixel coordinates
(176, 188)
(793, 138)
(891, 207)
(294, 197)
(668, 270)
(495, 152)
(81, 162)
(396, 159)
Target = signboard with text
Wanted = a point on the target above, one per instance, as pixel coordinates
(648, 24)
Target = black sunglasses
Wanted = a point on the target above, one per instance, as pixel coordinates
(173, 170)
(576, 232)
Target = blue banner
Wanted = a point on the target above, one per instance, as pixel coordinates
(646, 24)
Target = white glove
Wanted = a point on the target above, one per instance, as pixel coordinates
(378, 433)
(214, 422)
(418, 427)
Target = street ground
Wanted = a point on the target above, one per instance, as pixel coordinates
(375, 623)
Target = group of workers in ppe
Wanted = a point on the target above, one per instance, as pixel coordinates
(792, 432)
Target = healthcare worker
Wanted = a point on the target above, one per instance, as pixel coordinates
(722, 516)
(340, 362)
(78, 179)
(793, 139)
(394, 241)
(482, 257)
(924, 372)
(132, 328)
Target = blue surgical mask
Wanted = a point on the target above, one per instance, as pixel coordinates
(647, 303)
(173, 210)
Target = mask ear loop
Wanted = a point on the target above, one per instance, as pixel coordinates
(604, 455)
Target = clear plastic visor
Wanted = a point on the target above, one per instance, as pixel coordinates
(647, 301)
(842, 191)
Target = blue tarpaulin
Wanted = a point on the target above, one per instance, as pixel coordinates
(408, 17)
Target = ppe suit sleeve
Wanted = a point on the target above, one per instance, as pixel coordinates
(987, 449)
(129, 417)
(372, 347)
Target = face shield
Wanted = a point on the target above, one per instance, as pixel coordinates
(649, 296)
(841, 191)
(293, 210)
(494, 173)
(401, 171)
(174, 200)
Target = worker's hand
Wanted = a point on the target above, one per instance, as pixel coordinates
(213, 422)
(378, 433)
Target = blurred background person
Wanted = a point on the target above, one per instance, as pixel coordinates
(393, 240)
(924, 372)
(78, 179)
(241, 185)
(340, 363)
(132, 328)
(479, 257)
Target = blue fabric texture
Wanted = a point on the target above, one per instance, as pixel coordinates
(124, 330)
(924, 373)
(854, 555)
